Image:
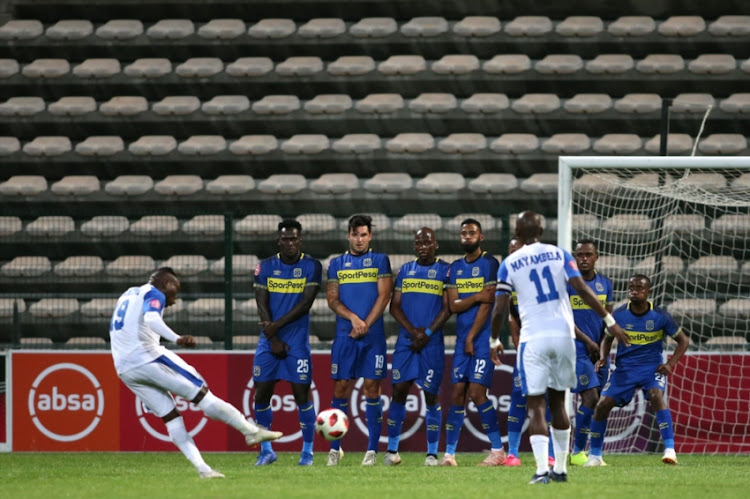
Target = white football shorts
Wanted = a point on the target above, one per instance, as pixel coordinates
(547, 363)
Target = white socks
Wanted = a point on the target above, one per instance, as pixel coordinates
(540, 446)
(217, 409)
(561, 443)
(182, 439)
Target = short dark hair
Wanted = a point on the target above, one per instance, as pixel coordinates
(360, 221)
(290, 223)
(472, 221)
(588, 241)
(159, 273)
(644, 277)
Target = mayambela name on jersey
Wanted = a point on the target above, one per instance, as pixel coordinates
(473, 285)
(286, 285)
(422, 286)
(353, 276)
(534, 259)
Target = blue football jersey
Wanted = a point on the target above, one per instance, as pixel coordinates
(647, 335)
(584, 316)
(468, 279)
(357, 276)
(421, 289)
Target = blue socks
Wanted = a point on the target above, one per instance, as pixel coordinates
(453, 427)
(374, 413)
(583, 422)
(489, 424)
(342, 404)
(264, 417)
(433, 418)
(597, 431)
(307, 425)
(516, 418)
(395, 421)
(664, 418)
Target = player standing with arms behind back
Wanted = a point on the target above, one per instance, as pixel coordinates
(155, 374)
(421, 309)
(358, 290)
(285, 287)
(546, 360)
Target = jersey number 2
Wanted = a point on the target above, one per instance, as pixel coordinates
(541, 296)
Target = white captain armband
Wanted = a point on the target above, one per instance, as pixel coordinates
(504, 287)
(494, 343)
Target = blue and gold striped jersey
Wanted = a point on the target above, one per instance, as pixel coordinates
(647, 333)
(584, 316)
(421, 289)
(468, 279)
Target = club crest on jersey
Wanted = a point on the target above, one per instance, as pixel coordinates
(583, 380)
(297, 272)
(412, 272)
(155, 303)
(367, 262)
(474, 271)
(347, 264)
(276, 272)
(256, 370)
(599, 287)
(649, 325)
(459, 272)
(431, 274)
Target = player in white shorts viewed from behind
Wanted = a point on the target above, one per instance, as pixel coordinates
(546, 360)
(153, 372)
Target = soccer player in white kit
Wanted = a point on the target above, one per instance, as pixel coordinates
(154, 373)
(547, 356)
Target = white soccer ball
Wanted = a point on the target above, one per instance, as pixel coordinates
(332, 424)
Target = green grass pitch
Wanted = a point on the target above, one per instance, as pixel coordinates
(169, 475)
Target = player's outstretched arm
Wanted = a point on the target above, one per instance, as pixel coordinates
(683, 342)
(154, 321)
(592, 301)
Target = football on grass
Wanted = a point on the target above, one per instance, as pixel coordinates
(332, 424)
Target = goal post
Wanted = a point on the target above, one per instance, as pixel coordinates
(684, 222)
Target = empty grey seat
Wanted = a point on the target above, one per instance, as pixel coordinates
(736, 103)
(730, 26)
(329, 27)
(99, 307)
(559, 64)
(329, 104)
(179, 185)
(584, 223)
(202, 145)
(588, 103)
(638, 103)
(56, 308)
(618, 143)
(46, 68)
(204, 225)
(249, 66)
(684, 223)
(105, 226)
(736, 308)
(732, 225)
(536, 104)
(258, 224)
(207, 307)
(462, 143)
(677, 143)
(306, 144)
(300, 66)
(610, 64)
(171, 29)
(149, 67)
(80, 266)
(254, 144)
(153, 145)
(682, 26)
(9, 67)
(23, 185)
(709, 181)
(277, 104)
(441, 183)
(76, 185)
(412, 222)
(129, 185)
(26, 266)
(72, 106)
(745, 66)
(380, 103)
(661, 64)
(231, 184)
(97, 68)
(222, 29)
(357, 143)
(101, 146)
(477, 26)
(6, 309)
(402, 65)
(120, 29)
(21, 29)
(317, 223)
(627, 223)
(410, 143)
(485, 103)
(283, 184)
(580, 26)
(9, 145)
(272, 28)
(716, 266)
(10, 226)
(226, 105)
(388, 183)
(425, 27)
(567, 143)
(199, 67)
(713, 64)
(51, 226)
(456, 64)
(723, 143)
(515, 143)
(374, 27)
(529, 26)
(632, 26)
(335, 183)
(493, 183)
(22, 106)
(614, 266)
(351, 65)
(130, 265)
(177, 105)
(124, 106)
(692, 103)
(187, 265)
(540, 183)
(507, 64)
(48, 146)
(600, 182)
(433, 103)
(155, 225)
(670, 265)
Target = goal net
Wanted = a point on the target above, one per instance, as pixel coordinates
(685, 223)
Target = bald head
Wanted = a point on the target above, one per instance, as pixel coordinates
(425, 245)
(528, 226)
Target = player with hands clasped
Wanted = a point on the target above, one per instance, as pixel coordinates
(285, 287)
(639, 366)
(537, 272)
(421, 309)
(154, 373)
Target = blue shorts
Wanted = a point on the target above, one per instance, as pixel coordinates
(622, 384)
(360, 358)
(603, 374)
(425, 367)
(586, 377)
(472, 369)
(296, 367)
